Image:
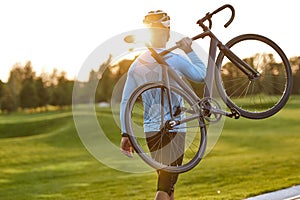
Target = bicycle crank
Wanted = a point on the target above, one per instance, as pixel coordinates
(210, 109)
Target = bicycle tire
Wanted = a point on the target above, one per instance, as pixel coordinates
(254, 99)
(194, 137)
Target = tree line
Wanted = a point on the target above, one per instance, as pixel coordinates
(25, 90)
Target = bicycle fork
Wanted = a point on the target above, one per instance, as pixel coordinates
(239, 63)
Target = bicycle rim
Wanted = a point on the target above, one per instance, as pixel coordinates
(162, 150)
(262, 97)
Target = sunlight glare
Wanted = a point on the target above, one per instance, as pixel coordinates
(142, 37)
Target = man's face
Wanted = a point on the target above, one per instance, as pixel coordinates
(159, 35)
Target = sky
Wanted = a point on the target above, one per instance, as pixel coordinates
(61, 34)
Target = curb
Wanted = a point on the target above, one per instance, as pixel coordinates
(292, 193)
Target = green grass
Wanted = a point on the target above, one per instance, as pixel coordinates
(42, 157)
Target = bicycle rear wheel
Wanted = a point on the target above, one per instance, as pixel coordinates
(254, 98)
(177, 149)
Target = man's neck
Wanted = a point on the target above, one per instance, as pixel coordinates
(158, 45)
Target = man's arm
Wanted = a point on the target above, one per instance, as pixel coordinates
(129, 87)
(194, 70)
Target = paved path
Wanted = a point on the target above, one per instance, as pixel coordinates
(292, 193)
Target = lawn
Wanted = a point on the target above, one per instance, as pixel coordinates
(42, 157)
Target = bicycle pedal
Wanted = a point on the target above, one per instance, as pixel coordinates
(234, 113)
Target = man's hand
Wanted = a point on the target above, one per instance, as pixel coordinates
(126, 147)
(185, 44)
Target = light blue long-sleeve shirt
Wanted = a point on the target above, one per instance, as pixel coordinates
(145, 69)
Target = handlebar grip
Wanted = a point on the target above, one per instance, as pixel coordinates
(208, 16)
(232, 15)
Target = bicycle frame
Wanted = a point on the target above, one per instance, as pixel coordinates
(167, 72)
(211, 67)
(214, 44)
(184, 105)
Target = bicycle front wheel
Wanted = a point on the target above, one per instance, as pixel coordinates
(174, 149)
(256, 98)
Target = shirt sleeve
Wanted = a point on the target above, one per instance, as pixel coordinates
(129, 87)
(194, 69)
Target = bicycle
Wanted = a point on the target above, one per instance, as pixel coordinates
(255, 86)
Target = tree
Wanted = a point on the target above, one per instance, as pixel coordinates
(28, 95)
(109, 77)
(7, 101)
(61, 92)
(15, 82)
(42, 92)
(295, 65)
(29, 74)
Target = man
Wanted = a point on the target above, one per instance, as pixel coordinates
(158, 23)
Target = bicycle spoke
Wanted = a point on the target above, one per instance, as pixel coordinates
(254, 96)
(166, 145)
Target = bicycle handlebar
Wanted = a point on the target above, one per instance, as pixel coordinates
(200, 22)
(208, 17)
